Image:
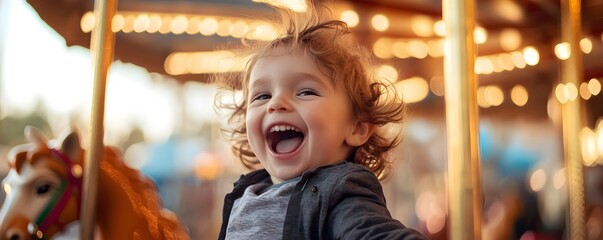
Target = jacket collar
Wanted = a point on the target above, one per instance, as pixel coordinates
(261, 175)
(253, 177)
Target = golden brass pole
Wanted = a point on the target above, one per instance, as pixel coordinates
(101, 46)
(571, 117)
(4, 6)
(464, 185)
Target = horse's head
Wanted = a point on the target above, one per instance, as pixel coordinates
(43, 187)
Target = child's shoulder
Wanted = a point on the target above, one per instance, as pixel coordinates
(345, 171)
(346, 180)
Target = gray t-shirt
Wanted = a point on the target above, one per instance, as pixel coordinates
(260, 212)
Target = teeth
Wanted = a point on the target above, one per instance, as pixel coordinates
(283, 128)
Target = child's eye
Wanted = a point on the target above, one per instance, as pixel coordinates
(261, 96)
(307, 92)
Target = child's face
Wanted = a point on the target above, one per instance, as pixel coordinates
(297, 120)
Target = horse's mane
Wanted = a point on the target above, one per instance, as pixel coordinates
(142, 193)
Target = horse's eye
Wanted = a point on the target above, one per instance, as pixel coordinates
(43, 189)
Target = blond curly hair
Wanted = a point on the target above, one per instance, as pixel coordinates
(347, 63)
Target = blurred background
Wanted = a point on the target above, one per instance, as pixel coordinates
(159, 105)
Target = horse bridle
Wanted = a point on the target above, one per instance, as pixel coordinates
(49, 216)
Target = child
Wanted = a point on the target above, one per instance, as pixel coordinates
(312, 115)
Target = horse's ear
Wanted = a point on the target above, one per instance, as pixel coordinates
(69, 143)
(36, 136)
(17, 154)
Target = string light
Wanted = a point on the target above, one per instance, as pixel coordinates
(208, 26)
(179, 63)
(488, 96)
(141, 23)
(439, 28)
(538, 180)
(418, 49)
(519, 95)
(224, 27)
(193, 25)
(380, 22)
(594, 86)
(510, 39)
(584, 91)
(586, 45)
(494, 95)
(387, 72)
(239, 29)
(482, 101)
(257, 30)
(350, 17)
(118, 23)
(166, 23)
(87, 22)
(412, 90)
(519, 61)
(382, 48)
(563, 50)
(483, 65)
(180, 23)
(570, 91)
(480, 35)
(154, 23)
(531, 56)
(399, 50)
(589, 146)
(422, 25)
(128, 23)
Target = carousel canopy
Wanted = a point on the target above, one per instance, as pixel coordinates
(518, 41)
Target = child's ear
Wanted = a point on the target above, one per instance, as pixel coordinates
(361, 133)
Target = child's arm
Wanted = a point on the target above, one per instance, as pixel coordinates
(358, 211)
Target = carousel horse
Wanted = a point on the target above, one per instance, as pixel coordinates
(44, 192)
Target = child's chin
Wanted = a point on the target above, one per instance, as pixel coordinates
(286, 174)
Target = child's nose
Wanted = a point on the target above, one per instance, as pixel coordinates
(279, 104)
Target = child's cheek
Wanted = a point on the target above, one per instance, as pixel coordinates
(253, 124)
(317, 122)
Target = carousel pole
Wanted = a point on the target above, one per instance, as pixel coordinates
(464, 181)
(4, 7)
(571, 117)
(101, 45)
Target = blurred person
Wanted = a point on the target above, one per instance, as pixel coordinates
(313, 119)
(515, 214)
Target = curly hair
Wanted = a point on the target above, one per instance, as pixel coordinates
(344, 61)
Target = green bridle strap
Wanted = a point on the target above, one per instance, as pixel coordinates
(52, 203)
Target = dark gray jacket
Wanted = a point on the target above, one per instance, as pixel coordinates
(343, 201)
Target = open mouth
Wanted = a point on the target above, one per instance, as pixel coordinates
(284, 139)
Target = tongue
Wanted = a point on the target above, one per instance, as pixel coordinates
(288, 145)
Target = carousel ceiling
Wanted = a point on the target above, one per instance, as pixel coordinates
(151, 34)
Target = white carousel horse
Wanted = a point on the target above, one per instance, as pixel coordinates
(44, 191)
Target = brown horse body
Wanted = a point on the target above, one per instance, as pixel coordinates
(128, 206)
